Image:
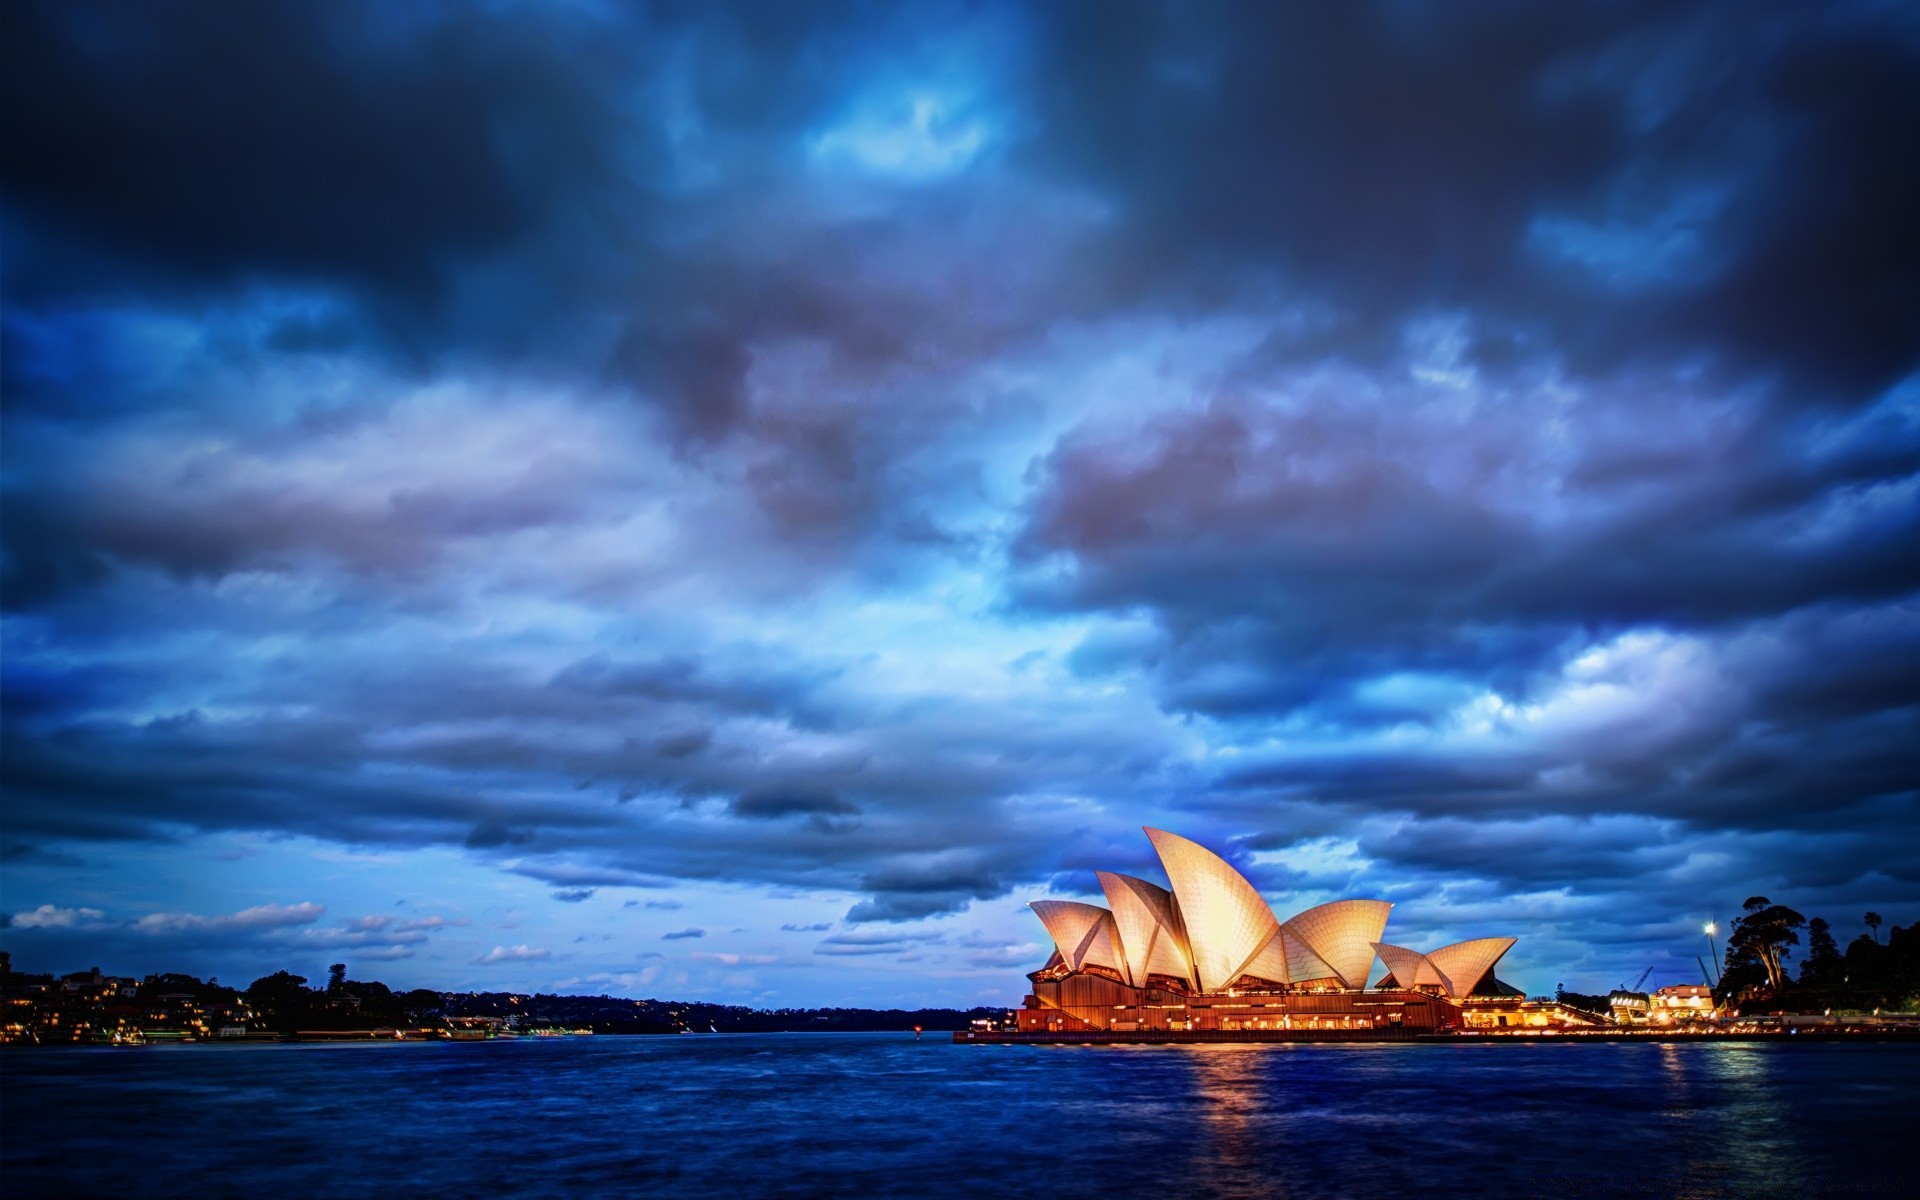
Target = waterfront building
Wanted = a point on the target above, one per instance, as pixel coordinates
(1517, 1012)
(1680, 1003)
(1207, 954)
(1629, 1007)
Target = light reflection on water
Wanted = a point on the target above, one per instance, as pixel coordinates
(883, 1115)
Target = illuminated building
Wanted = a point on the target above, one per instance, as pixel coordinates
(1629, 1007)
(1517, 1013)
(1680, 1003)
(1207, 955)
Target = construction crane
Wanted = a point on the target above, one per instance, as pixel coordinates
(1637, 982)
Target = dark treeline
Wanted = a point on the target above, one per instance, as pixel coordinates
(1872, 972)
(1767, 970)
(82, 1005)
(1582, 1001)
(611, 1014)
(283, 1003)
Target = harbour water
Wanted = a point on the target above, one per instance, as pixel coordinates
(883, 1115)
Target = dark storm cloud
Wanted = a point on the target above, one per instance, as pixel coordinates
(1619, 853)
(357, 776)
(495, 183)
(927, 887)
(364, 143)
(1337, 539)
(572, 876)
(772, 805)
(1313, 562)
(765, 687)
(1748, 163)
(1385, 158)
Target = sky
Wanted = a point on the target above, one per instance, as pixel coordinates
(733, 501)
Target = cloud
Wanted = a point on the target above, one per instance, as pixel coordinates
(679, 934)
(912, 889)
(259, 917)
(770, 806)
(428, 924)
(1011, 954)
(1374, 543)
(734, 960)
(513, 954)
(574, 876)
(863, 943)
(257, 939)
(49, 916)
(471, 149)
(1605, 120)
(285, 925)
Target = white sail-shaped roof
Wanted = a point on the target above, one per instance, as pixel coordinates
(1271, 962)
(1149, 930)
(1083, 933)
(1102, 948)
(1213, 927)
(1226, 921)
(1302, 963)
(1343, 934)
(1455, 969)
(1410, 968)
(1464, 964)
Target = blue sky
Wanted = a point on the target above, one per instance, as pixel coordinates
(733, 501)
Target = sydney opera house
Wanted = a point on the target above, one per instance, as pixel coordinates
(1209, 957)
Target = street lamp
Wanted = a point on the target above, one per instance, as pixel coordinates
(1712, 951)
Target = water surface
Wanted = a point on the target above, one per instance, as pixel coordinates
(882, 1115)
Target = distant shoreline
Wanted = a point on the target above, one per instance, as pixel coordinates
(427, 1036)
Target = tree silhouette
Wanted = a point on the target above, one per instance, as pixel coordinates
(282, 1001)
(1765, 937)
(1873, 926)
(1824, 966)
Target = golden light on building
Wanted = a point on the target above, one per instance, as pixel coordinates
(1340, 937)
(1456, 970)
(1149, 930)
(1226, 922)
(1207, 954)
(1083, 934)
